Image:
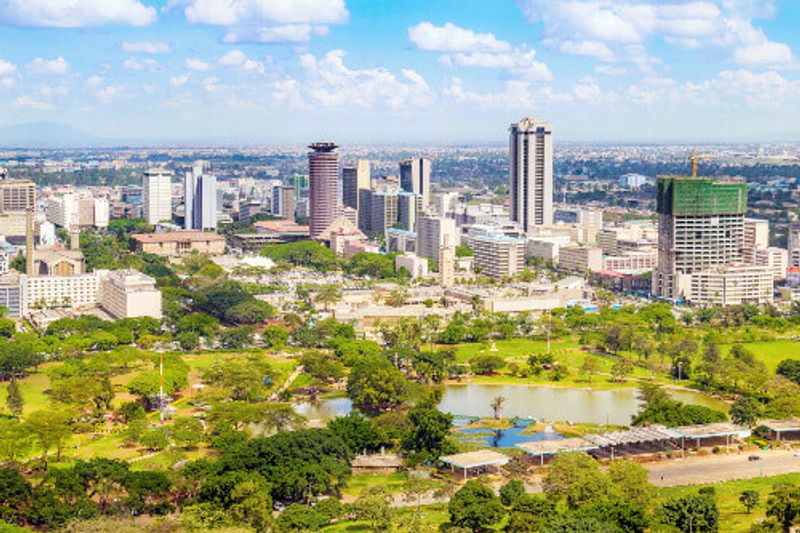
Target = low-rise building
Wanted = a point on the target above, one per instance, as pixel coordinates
(129, 294)
(416, 266)
(633, 262)
(178, 243)
(580, 258)
(732, 285)
(73, 292)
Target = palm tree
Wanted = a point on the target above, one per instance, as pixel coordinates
(497, 406)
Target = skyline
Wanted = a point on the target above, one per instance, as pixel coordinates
(358, 71)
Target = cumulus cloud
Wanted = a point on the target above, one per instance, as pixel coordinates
(197, 64)
(328, 82)
(29, 102)
(146, 47)
(569, 25)
(6, 68)
(266, 21)
(465, 48)
(237, 58)
(452, 38)
(133, 63)
(179, 80)
(42, 66)
(94, 80)
(75, 13)
(109, 94)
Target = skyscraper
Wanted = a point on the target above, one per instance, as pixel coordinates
(157, 195)
(700, 227)
(323, 167)
(200, 198)
(415, 176)
(530, 181)
(355, 179)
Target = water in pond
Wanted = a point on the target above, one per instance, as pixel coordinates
(504, 438)
(550, 403)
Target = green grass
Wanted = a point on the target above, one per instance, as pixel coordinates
(360, 482)
(733, 518)
(433, 515)
(773, 352)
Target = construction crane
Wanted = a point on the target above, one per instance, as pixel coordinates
(694, 158)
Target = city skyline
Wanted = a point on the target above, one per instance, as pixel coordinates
(264, 71)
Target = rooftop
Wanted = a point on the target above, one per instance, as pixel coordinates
(176, 236)
(280, 226)
(552, 446)
(476, 459)
(788, 424)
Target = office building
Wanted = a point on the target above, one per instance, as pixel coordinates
(756, 236)
(447, 263)
(355, 179)
(157, 196)
(498, 255)
(178, 243)
(415, 176)
(409, 205)
(576, 258)
(794, 245)
(323, 166)
(129, 294)
(284, 203)
(432, 233)
(383, 207)
(199, 198)
(731, 285)
(531, 173)
(416, 266)
(700, 227)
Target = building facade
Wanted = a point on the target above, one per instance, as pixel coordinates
(157, 196)
(415, 176)
(355, 179)
(531, 173)
(178, 243)
(700, 227)
(323, 165)
(732, 285)
(129, 294)
(498, 255)
(432, 233)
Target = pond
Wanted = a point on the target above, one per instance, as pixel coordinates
(504, 438)
(550, 403)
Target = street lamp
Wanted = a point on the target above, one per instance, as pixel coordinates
(679, 369)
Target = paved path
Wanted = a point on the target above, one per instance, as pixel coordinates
(287, 383)
(722, 467)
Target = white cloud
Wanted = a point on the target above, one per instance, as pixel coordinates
(75, 13)
(594, 49)
(29, 102)
(452, 38)
(232, 58)
(146, 47)
(211, 84)
(197, 64)
(693, 24)
(7, 83)
(290, 33)
(49, 90)
(328, 82)
(94, 80)
(6, 68)
(133, 63)
(610, 70)
(266, 21)
(516, 94)
(237, 58)
(177, 81)
(43, 66)
(764, 53)
(108, 94)
(465, 48)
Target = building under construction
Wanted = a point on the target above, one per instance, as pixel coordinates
(700, 227)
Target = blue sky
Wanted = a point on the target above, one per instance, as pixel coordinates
(403, 71)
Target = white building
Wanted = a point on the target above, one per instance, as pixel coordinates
(732, 285)
(199, 198)
(580, 258)
(157, 196)
(129, 294)
(498, 255)
(72, 292)
(415, 265)
(102, 212)
(531, 173)
(432, 233)
(776, 259)
(631, 263)
(63, 210)
(47, 234)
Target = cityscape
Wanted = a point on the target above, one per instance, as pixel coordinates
(251, 283)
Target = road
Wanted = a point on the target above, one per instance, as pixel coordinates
(722, 467)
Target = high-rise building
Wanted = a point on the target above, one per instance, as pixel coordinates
(409, 205)
(432, 233)
(355, 179)
(700, 227)
(794, 245)
(531, 173)
(157, 195)
(415, 176)
(383, 205)
(199, 198)
(284, 203)
(323, 166)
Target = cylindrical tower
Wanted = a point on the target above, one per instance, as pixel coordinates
(323, 168)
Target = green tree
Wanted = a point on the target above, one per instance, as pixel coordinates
(631, 483)
(15, 440)
(187, 431)
(426, 439)
(236, 338)
(51, 429)
(373, 506)
(370, 265)
(328, 294)
(749, 499)
(375, 385)
(697, 513)
(497, 406)
(298, 517)
(590, 367)
(576, 478)
(475, 507)
(14, 400)
(512, 492)
(322, 366)
(303, 253)
(275, 337)
(745, 411)
(356, 431)
(486, 364)
(783, 505)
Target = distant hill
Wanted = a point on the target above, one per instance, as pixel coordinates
(43, 134)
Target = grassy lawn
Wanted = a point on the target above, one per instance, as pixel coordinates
(733, 517)
(360, 482)
(773, 352)
(433, 515)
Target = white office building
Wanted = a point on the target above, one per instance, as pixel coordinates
(157, 196)
(531, 173)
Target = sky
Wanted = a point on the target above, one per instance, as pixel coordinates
(403, 71)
